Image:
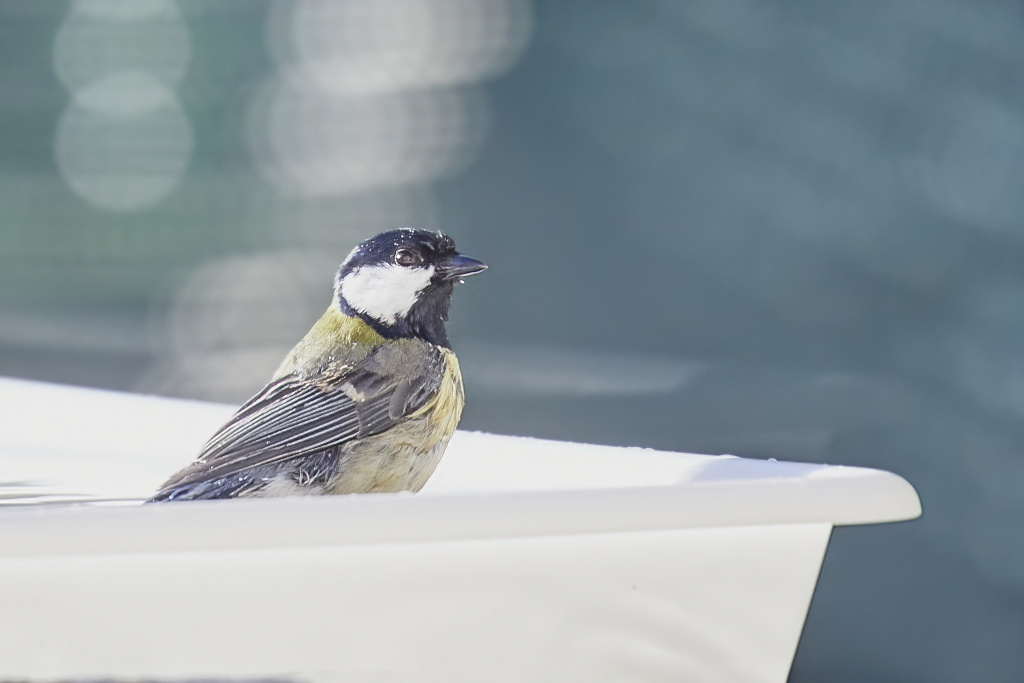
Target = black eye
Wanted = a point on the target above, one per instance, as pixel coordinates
(406, 257)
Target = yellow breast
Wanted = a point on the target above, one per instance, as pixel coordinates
(444, 410)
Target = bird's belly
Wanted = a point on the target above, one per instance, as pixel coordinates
(401, 459)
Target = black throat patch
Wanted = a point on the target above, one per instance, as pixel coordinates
(425, 320)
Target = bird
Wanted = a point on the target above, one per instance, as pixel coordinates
(366, 402)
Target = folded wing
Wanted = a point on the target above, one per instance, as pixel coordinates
(295, 416)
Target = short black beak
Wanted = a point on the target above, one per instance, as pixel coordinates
(459, 266)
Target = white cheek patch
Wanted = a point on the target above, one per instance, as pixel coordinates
(385, 292)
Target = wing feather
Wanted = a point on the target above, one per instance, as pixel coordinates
(296, 415)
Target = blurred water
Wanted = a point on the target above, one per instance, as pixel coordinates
(781, 229)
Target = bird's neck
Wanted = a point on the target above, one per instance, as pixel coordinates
(335, 336)
(425, 320)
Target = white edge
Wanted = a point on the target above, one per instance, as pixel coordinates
(397, 518)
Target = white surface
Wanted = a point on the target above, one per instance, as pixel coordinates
(67, 443)
(523, 560)
(691, 605)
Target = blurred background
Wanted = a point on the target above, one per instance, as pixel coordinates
(777, 228)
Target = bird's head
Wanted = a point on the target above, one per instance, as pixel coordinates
(400, 282)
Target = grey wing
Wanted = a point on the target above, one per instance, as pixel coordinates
(295, 416)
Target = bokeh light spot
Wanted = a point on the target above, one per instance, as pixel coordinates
(102, 37)
(310, 142)
(124, 143)
(356, 46)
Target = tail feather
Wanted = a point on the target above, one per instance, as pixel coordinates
(234, 486)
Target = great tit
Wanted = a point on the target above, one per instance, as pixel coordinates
(366, 401)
